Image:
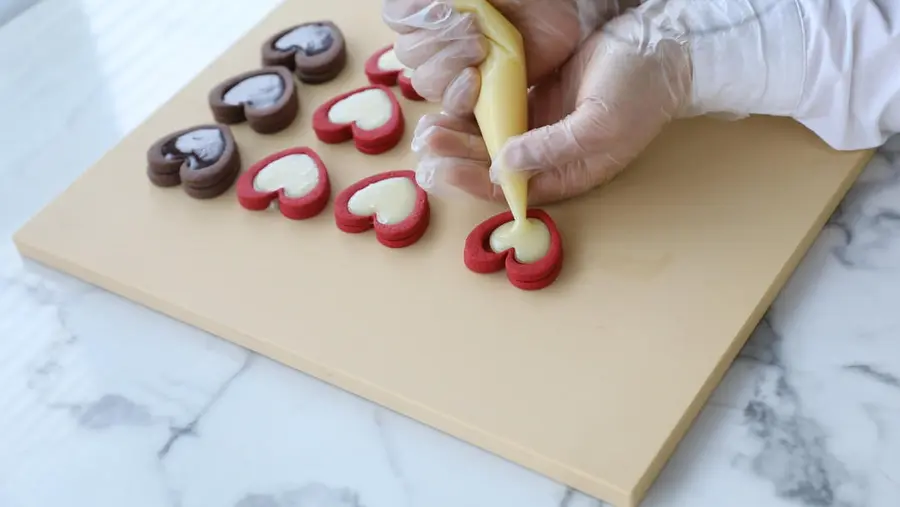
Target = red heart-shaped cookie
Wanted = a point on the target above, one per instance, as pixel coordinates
(479, 257)
(383, 68)
(296, 177)
(404, 82)
(371, 116)
(390, 202)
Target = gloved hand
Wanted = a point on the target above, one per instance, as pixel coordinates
(589, 120)
(662, 60)
(443, 46)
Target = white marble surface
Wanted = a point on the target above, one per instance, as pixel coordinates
(106, 404)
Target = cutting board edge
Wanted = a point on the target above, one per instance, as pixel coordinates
(639, 492)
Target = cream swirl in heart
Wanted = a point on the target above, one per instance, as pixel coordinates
(204, 159)
(315, 51)
(265, 98)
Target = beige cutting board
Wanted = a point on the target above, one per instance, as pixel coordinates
(592, 381)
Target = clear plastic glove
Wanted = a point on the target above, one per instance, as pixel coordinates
(661, 60)
(589, 120)
(443, 46)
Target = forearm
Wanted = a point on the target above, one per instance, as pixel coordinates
(593, 13)
(826, 63)
(851, 91)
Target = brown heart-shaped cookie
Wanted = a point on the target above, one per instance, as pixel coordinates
(314, 51)
(265, 98)
(203, 159)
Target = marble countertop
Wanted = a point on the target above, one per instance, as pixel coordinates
(105, 403)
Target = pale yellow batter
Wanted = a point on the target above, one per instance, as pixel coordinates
(297, 174)
(388, 61)
(530, 240)
(370, 109)
(502, 107)
(391, 200)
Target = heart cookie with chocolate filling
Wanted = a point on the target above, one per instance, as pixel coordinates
(391, 203)
(295, 180)
(532, 254)
(383, 68)
(203, 159)
(370, 116)
(265, 98)
(315, 51)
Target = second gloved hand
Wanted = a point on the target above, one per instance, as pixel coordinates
(591, 119)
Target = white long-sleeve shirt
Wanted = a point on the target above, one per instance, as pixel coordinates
(833, 65)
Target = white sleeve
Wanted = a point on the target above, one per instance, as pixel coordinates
(830, 64)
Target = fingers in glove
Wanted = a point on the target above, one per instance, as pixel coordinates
(405, 16)
(452, 177)
(462, 93)
(461, 175)
(432, 78)
(416, 47)
(444, 120)
(439, 141)
(455, 177)
(453, 159)
(552, 146)
(572, 180)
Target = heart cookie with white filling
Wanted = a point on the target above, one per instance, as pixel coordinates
(371, 116)
(265, 98)
(295, 180)
(314, 51)
(203, 159)
(384, 68)
(404, 82)
(391, 203)
(531, 253)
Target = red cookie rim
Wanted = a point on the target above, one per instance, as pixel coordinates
(263, 120)
(398, 235)
(479, 257)
(404, 82)
(372, 142)
(378, 76)
(294, 208)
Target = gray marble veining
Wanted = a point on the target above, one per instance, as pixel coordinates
(105, 403)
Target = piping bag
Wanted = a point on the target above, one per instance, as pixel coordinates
(502, 107)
